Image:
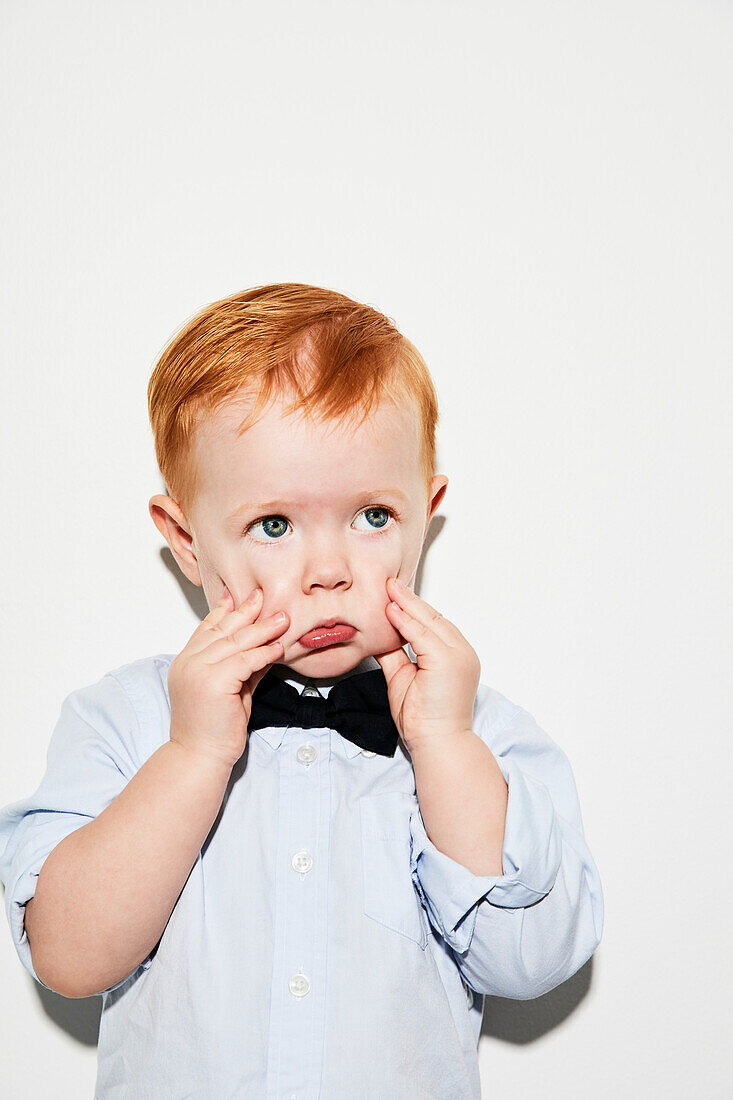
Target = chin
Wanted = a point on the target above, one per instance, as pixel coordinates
(331, 660)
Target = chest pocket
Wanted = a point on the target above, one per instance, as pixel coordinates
(390, 897)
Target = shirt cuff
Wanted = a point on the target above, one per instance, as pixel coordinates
(531, 859)
(15, 902)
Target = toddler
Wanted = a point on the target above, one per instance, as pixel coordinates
(292, 859)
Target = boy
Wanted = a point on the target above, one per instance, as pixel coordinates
(291, 859)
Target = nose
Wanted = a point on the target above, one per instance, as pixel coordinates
(327, 566)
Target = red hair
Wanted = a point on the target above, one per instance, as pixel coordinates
(276, 339)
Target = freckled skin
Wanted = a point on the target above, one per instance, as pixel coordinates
(330, 557)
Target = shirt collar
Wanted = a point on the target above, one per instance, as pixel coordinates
(273, 735)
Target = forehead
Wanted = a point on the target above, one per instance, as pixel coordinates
(310, 460)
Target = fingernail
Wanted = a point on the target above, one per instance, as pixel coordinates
(254, 594)
(280, 617)
(398, 582)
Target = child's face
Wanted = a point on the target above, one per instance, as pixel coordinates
(300, 511)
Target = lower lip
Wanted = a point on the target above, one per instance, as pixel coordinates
(327, 635)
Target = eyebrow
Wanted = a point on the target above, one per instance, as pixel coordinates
(273, 505)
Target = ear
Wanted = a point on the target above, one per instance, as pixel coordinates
(175, 529)
(438, 486)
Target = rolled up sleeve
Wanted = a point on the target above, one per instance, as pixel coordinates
(91, 756)
(521, 933)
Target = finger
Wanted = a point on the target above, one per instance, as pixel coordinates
(241, 639)
(234, 673)
(218, 619)
(420, 611)
(392, 662)
(219, 610)
(244, 615)
(423, 639)
(215, 615)
(257, 676)
(225, 606)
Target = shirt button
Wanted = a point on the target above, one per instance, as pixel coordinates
(302, 861)
(306, 754)
(299, 985)
(311, 691)
(367, 752)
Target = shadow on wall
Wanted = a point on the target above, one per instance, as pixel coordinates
(194, 593)
(524, 1021)
(79, 1017)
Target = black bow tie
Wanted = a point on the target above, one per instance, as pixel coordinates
(357, 706)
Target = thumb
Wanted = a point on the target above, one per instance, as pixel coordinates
(253, 681)
(392, 661)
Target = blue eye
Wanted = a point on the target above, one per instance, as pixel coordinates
(271, 519)
(275, 527)
(372, 513)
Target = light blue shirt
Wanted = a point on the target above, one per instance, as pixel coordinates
(322, 947)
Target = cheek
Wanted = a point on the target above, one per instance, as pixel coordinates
(386, 557)
(398, 559)
(375, 598)
(277, 590)
(238, 578)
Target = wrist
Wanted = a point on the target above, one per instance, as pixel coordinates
(439, 743)
(202, 759)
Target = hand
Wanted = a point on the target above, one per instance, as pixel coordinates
(433, 697)
(211, 681)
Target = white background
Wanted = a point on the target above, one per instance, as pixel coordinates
(539, 194)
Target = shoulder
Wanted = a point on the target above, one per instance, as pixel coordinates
(492, 711)
(518, 742)
(508, 728)
(127, 708)
(144, 682)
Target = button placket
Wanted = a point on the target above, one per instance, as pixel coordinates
(302, 862)
(299, 985)
(298, 991)
(306, 754)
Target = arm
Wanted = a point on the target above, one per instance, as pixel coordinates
(137, 769)
(520, 933)
(106, 891)
(463, 798)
